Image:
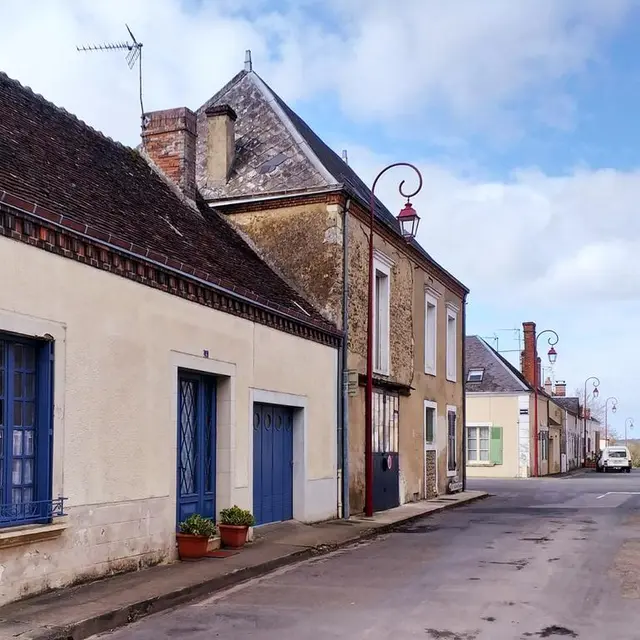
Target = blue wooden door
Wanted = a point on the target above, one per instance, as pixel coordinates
(272, 463)
(196, 445)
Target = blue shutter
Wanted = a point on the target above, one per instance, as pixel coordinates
(44, 423)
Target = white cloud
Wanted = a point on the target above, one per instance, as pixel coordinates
(539, 239)
(467, 58)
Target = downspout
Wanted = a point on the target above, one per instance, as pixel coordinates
(464, 393)
(346, 511)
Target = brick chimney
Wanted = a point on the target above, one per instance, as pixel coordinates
(221, 143)
(561, 389)
(529, 360)
(548, 385)
(170, 140)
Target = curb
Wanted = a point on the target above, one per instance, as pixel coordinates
(130, 613)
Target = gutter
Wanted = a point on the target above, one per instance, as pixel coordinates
(346, 510)
(287, 193)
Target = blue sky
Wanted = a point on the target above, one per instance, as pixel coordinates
(521, 115)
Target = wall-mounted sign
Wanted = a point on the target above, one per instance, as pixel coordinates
(454, 485)
(352, 383)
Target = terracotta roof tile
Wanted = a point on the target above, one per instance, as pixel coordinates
(50, 157)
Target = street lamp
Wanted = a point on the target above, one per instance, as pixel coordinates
(552, 354)
(614, 408)
(596, 384)
(408, 220)
(628, 422)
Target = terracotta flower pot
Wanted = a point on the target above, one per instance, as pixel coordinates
(191, 547)
(232, 536)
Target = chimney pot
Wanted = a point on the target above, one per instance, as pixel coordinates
(221, 143)
(548, 385)
(170, 140)
(561, 389)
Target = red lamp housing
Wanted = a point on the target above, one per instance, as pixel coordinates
(409, 221)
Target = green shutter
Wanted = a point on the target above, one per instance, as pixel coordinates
(496, 445)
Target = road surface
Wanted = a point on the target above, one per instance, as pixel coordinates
(541, 558)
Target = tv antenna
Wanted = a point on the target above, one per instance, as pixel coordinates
(134, 54)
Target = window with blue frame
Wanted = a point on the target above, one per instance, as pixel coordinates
(26, 422)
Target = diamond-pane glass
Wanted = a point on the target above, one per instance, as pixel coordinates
(188, 445)
(208, 453)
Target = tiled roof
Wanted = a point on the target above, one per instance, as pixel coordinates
(499, 375)
(49, 157)
(267, 129)
(572, 405)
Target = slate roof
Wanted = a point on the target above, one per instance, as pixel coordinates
(49, 157)
(277, 152)
(499, 376)
(572, 405)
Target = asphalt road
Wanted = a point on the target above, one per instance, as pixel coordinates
(541, 558)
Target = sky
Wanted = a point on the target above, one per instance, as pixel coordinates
(521, 116)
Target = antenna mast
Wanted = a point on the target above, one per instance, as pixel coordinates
(134, 54)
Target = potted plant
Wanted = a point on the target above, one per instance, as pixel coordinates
(193, 536)
(233, 526)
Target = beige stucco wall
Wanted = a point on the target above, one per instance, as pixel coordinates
(118, 346)
(497, 411)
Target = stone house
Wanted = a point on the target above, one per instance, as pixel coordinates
(151, 364)
(306, 212)
(499, 418)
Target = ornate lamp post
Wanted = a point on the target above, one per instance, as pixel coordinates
(596, 384)
(614, 408)
(553, 356)
(627, 423)
(409, 221)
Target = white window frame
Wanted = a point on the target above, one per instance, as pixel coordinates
(478, 426)
(454, 472)
(452, 344)
(430, 446)
(430, 337)
(383, 265)
(473, 370)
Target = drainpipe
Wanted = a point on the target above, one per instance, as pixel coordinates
(464, 393)
(344, 444)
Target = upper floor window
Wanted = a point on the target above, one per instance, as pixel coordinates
(452, 344)
(381, 302)
(430, 334)
(26, 431)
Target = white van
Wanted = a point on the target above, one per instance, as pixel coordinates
(614, 459)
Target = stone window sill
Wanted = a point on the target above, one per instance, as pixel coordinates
(18, 536)
(481, 464)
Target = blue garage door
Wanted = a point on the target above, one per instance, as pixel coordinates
(196, 445)
(272, 463)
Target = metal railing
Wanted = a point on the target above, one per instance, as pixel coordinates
(38, 512)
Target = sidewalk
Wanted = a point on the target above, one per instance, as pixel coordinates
(79, 612)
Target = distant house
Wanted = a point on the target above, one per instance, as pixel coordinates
(306, 212)
(499, 424)
(152, 365)
(572, 427)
